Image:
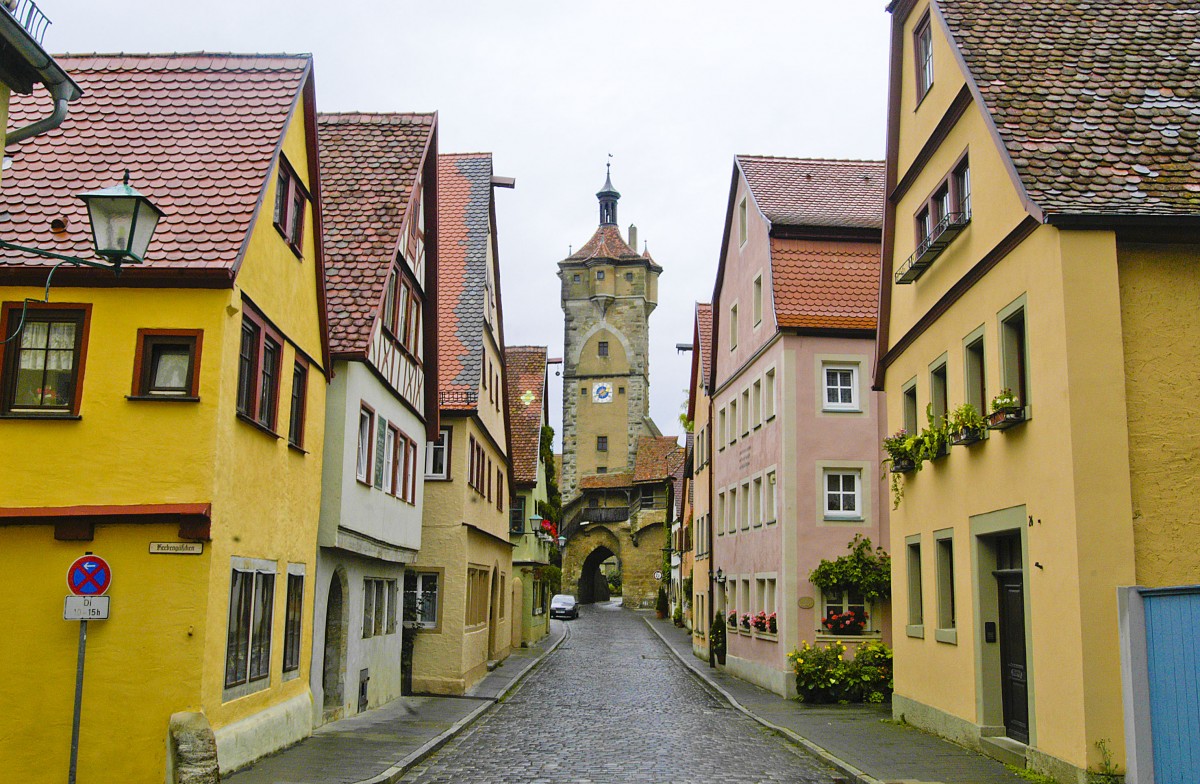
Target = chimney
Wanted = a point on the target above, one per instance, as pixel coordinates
(633, 237)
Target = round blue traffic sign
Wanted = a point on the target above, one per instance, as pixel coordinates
(89, 576)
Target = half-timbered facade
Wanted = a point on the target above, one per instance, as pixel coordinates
(380, 177)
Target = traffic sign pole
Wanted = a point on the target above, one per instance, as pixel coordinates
(78, 701)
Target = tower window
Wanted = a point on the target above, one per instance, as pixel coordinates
(601, 443)
(603, 348)
(620, 390)
(583, 391)
(575, 278)
(599, 274)
(629, 276)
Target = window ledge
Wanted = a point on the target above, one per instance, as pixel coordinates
(769, 418)
(44, 417)
(297, 448)
(831, 519)
(291, 675)
(915, 630)
(164, 398)
(433, 478)
(766, 636)
(948, 636)
(772, 522)
(232, 693)
(259, 426)
(841, 410)
(866, 635)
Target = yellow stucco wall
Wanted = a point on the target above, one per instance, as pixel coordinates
(1159, 288)
(917, 121)
(163, 650)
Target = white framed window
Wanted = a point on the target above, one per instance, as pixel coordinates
(421, 598)
(757, 301)
(947, 620)
(746, 411)
(379, 607)
(841, 387)
(843, 494)
(769, 510)
(366, 425)
(839, 603)
(746, 505)
(743, 222)
(733, 420)
(756, 498)
(437, 456)
(721, 429)
(756, 403)
(251, 613)
(769, 395)
(389, 462)
(720, 513)
(733, 327)
(731, 510)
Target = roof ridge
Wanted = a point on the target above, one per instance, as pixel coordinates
(348, 116)
(464, 154)
(195, 53)
(745, 156)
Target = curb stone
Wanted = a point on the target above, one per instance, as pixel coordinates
(855, 775)
(394, 773)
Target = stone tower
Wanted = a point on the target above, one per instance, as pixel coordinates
(608, 293)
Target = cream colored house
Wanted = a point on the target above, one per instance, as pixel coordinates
(458, 592)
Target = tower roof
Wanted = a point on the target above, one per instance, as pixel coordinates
(608, 189)
(606, 243)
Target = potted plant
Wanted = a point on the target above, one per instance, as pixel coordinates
(901, 450)
(865, 571)
(849, 622)
(966, 425)
(677, 616)
(1006, 411)
(759, 621)
(661, 606)
(732, 619)
(772, 624)
(934, 439)
(746, 623)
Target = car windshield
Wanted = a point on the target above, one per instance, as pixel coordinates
(563, 598)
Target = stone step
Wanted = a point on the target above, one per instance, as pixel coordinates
(1007, 750)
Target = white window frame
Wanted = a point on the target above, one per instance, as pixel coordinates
(840, 367)
(769, 395)
(431, 450)
(733, 326)
(743, 222)
(857, 494)
(419, 595)
(366, 419)
(757, 300)
(389, 452)
(770, 497)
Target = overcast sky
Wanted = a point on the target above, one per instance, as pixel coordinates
(672, 89)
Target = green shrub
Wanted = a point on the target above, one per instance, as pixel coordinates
(677, 616)
(824, 675)
(662, 606)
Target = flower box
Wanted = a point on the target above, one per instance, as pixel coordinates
(902, 465)
(1004, 418)
(966, 436)
(767, 636)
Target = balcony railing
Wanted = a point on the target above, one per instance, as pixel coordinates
(611, 514)
(928, 249)
(29, 16)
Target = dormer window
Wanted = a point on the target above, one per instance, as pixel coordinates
(938, 221)
(290, 200)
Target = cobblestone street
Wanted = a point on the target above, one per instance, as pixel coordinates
(613, 705)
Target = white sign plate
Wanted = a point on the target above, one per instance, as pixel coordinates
(86, 608)
(657, 574)
(176, 548)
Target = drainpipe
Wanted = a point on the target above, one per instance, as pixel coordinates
(712, 656)
(63, 92)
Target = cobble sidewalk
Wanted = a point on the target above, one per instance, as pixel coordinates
(855, 739)
(378, 746)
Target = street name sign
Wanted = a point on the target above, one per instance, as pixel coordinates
(86, 608)
(176, 548)
(89, 576)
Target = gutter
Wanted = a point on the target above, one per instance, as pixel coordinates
(61, 87)
(62, 95)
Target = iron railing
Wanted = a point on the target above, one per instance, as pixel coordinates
(928, 249)
(29, 16)
(458, 398)
(611, 514)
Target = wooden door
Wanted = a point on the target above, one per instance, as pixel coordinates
(1014, 685)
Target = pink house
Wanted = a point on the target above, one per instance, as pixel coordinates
(796, 429)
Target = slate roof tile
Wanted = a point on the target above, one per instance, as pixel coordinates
(198, 131)
(1097, 103)
(464, 217)
(526, 377)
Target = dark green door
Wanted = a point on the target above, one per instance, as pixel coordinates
(1014, 684)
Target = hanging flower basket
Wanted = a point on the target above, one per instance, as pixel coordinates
(902, 465)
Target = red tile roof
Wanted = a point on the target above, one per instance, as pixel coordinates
(526, 369)
(657, 458)
(1096, 102)
(704, 328)
(823, 284)
(605, 481)
(464, 217)
(199, 133)
(370, 164)
(816, 192)
(606, 243)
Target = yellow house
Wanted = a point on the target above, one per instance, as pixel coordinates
(459, 587)
(169, 420)
(1038, 264)
(700, 412)
(23, 66)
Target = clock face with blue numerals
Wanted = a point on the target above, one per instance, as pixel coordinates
(602, 392)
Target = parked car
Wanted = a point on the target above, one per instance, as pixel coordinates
(563, 605)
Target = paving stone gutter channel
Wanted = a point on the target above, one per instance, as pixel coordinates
(852, 774)
(397, 771)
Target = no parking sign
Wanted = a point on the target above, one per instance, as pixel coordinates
(89, 575)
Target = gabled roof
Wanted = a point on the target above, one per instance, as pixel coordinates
(816, 192)
(464, 218)
(199, 133)
(820, 284)
(526, 366)
(370, 164)
(657, 458)
(605, 481)
(1095, 102)
(606, 243)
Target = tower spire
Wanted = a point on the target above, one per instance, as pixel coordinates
(608, 197)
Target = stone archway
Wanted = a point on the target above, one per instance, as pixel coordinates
(333, 664)
(638, 555)
(494, 600)
(593, 584)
